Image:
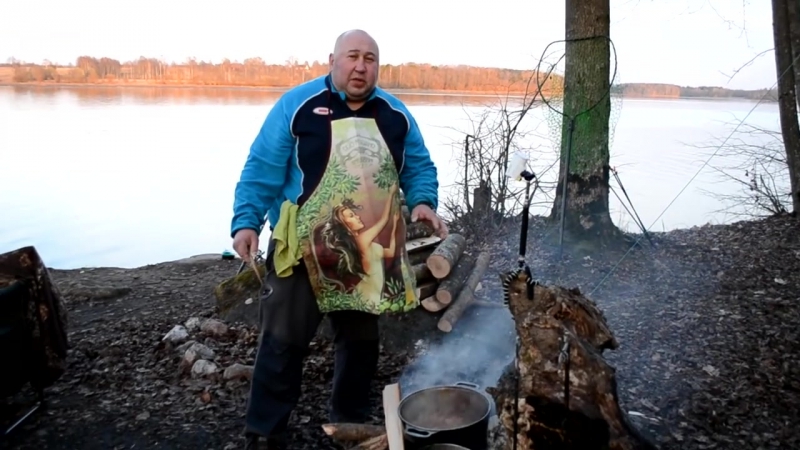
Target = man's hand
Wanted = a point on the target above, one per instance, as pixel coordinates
(245, 242)
(425, 213)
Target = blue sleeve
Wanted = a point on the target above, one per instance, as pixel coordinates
(264, 171)
(418, 178)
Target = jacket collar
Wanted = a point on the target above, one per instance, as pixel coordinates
(342, 96)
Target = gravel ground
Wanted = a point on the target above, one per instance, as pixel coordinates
(707, 322)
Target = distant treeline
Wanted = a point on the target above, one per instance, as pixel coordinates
(654, 90)
(254, 72)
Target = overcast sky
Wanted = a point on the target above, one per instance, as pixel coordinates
(686, 42)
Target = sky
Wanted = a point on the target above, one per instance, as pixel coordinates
(684, 42)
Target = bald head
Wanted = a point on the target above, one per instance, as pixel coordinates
(355, 64)
(354, 39)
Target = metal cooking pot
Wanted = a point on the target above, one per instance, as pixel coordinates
(456, 415)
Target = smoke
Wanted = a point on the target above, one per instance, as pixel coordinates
(476, 351)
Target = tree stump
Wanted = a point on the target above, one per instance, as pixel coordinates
(560, 330)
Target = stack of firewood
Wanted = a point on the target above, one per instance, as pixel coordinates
(447, 274)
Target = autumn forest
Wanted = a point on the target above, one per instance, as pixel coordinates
(254, 72)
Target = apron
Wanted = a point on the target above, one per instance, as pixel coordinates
(351, 230)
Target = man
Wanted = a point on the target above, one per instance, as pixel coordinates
(325, 168)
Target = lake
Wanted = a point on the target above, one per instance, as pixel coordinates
(99, 176)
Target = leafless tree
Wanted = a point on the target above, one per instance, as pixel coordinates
(754, 158)
(483, 195)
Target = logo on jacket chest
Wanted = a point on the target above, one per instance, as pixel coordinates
(361, 150)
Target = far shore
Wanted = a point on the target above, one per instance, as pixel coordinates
(281, 89)
(276, 89)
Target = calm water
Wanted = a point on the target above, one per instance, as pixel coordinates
(132, 176)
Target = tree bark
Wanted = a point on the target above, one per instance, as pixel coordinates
(567, 396)
(450, 286)
(787, 97)
(793, 14)
(446, 255)
(466, 296)
(587, 98)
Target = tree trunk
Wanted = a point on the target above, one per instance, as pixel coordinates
(566, 396)
(787, 97)
(587, 98)
(793, 13)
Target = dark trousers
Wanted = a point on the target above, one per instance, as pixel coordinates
(289, 321)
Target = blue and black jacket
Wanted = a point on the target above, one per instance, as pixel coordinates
(291, 151)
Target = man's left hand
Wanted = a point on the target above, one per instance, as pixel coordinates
(425, 213)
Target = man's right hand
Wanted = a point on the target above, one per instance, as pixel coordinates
(245, 242)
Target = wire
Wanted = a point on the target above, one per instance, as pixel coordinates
(539, 84)
(741, 122)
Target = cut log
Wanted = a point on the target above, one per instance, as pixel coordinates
(428, 289)
(567, 395)
(418, 230)
(451, 285)
(432, 305)
(394, 428)
(422, 273)
(376, 443)
(467, 294)
(446, 255)
(353, 431)
(419, 257)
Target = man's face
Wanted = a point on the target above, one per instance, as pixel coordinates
(354, 68)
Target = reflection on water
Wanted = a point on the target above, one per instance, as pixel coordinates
(116, 95)
(101, 175)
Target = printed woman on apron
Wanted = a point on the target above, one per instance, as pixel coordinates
(326, 169)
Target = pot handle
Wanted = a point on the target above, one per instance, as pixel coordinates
(419, 434)
(468, 384)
